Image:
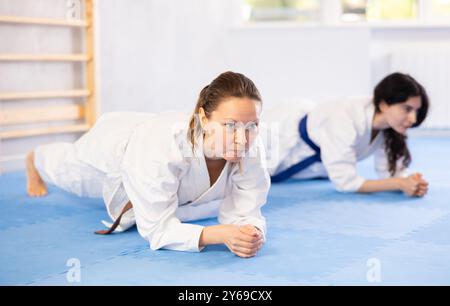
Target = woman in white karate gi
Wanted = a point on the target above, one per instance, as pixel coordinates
(161, 171)
(328, 140)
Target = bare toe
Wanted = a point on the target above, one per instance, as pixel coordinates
(35, 185)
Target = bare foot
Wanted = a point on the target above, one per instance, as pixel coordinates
(35, 185)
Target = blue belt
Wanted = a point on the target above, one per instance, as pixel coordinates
(302, 165)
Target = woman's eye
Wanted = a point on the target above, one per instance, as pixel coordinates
(230, 126)
(252, 127)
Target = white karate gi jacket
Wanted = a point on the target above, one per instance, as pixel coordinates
(342, 129)
(148, 160)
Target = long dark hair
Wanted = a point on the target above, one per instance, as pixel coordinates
(226, 85)
(397, 88)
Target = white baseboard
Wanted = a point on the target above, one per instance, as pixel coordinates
(12, 163)
(430, 133)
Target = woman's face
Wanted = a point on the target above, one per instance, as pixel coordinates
(402, 116)
(231, 128)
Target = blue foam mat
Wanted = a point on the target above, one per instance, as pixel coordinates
(315, 236)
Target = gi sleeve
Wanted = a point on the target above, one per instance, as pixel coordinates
(338, 154)
(151, 170)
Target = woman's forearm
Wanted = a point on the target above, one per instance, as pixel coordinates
(212, 235)
(389, 184)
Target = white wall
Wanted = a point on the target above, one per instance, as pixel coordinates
(292, 63)
(157, 55)
(386, 40)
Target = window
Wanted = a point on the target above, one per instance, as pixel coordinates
(289, 10)
(441, 9)
(392, 10)
(378, 10)
(345, 11)
(354, 10)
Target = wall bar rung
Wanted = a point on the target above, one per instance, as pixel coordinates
(45, 57)
(43, 21)
(44, 131)
(44, 94)
(42, 114)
